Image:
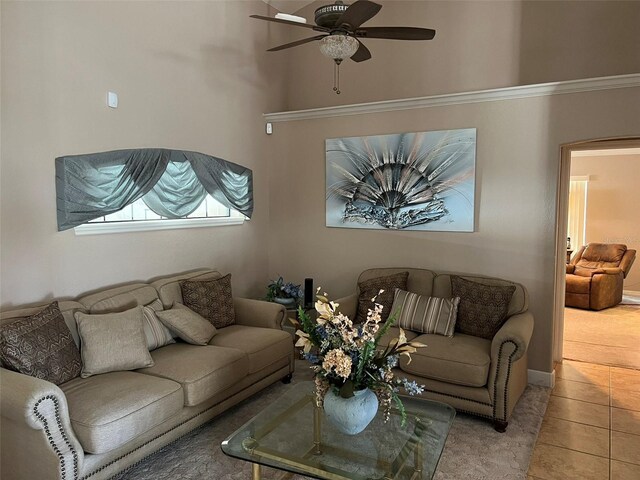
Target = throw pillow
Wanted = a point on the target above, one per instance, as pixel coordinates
(187, 324)
(41, 346)
(483, 308)
(420, 313)
(110, 342)
(156, 334)
(370, 288)
(211, 299)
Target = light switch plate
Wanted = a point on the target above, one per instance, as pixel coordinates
(112, 99)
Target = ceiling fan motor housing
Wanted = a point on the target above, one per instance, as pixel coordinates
(328, 15)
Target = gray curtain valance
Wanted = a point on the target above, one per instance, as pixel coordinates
(172, 183)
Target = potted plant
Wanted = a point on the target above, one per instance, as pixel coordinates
(353, 374)
(284, 293)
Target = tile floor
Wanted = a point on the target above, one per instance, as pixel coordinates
(591, 430)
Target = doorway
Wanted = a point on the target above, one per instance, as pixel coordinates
(607, 336)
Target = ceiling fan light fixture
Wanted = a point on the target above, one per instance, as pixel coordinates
(339, 46)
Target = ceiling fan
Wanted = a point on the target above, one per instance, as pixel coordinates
(341, 31)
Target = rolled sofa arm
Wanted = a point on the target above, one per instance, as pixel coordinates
(516, 329)
(508, 346)
(37, 438)
(258, 313)
(348, 306)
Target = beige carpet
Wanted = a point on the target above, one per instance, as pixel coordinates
(607, 337)
(474, 450)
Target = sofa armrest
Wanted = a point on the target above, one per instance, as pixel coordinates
(507, 347)
(570, 268)
(516, 329)
(258, 313)
(610, 271)
(348, 306)
(37, 438)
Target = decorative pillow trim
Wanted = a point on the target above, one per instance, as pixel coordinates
(420, 313)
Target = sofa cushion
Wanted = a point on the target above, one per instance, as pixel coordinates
(424, 314)
(202, 371)
(187, 324)
(263, 346)
(370, 288)
(461, 359)
(41, 345)
(483, 308)
(210, 298)
(109, 410)
(112, 341)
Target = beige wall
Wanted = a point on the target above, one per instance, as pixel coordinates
(613, 203)
(518, 146)
(478, 45)
(190, 75)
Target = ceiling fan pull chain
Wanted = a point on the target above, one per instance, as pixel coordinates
(336, 77)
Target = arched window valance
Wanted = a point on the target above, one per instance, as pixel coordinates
(171, 182)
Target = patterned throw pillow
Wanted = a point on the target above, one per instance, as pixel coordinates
(211, 299)
(187, 324)
(155, 332)
(423, 314)
(483, 308)
(41, 346)
(370, 288)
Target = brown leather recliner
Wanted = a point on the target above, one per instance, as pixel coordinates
(595, 275)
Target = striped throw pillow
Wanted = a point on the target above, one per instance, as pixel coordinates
(155, 332)
(420, 313)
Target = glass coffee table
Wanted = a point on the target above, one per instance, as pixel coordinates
(293, 435)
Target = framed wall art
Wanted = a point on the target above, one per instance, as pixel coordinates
(405, 181)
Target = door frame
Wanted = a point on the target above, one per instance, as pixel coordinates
(562, 209)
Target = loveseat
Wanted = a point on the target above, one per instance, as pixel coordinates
(95, 427)
(485, 377)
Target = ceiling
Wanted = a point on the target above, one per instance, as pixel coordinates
(288, 6)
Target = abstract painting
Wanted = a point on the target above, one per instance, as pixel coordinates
(405, 181)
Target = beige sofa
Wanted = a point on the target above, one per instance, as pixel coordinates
(95, 427)
(472, 374)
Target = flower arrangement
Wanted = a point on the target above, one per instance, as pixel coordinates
(347, 357)
(282, 289)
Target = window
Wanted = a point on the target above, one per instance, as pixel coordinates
(577, 217)
(138, 217)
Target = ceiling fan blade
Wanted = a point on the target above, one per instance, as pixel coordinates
(397, 33)
(361, 54)
(289, 22)
(358, 13)
(296, 43)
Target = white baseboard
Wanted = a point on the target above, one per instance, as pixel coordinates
(544, 379)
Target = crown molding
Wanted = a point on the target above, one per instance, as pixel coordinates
(492, 95)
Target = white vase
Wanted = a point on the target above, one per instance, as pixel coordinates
(351, 415)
